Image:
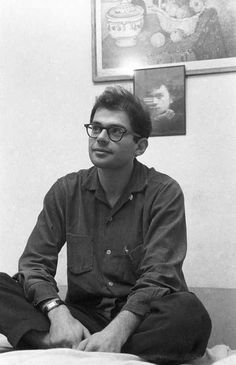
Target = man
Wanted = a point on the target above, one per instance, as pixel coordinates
(165, 120)
(124, 225)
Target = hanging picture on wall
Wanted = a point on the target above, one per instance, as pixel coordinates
(163, 91)
(130, 34)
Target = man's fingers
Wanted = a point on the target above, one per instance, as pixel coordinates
(82, 345)
(86, 333)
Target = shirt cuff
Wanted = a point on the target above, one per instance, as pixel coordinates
(43, 291)
(138, 303)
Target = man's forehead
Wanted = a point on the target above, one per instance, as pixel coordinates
(111, 117)
(159, 90)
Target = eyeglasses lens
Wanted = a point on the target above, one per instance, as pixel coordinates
(114, 133)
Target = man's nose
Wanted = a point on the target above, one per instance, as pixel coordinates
(103, 136)
(156, 100)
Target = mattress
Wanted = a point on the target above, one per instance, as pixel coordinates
(218, 355)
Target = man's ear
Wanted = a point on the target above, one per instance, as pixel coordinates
(142, 144)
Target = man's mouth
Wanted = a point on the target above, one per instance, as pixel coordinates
(101, 150)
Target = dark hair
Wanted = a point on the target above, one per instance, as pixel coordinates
(118, 98)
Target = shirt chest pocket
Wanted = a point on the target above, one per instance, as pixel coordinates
(123, 266)
(79, 253)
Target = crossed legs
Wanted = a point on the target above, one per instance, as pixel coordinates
(176, 330)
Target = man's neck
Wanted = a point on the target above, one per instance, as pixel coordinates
(114, 181)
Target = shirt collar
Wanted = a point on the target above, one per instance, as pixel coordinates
(138, 180)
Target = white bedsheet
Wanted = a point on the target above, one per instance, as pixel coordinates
(218, 355)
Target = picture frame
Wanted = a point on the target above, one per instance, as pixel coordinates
(163, 91)
(206, 43)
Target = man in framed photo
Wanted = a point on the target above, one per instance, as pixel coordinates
(167, 110)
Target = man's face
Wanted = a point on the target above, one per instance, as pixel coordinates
(161, 99)
(105, 153)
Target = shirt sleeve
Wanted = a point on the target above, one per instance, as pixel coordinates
(38, 263)
(164, 250)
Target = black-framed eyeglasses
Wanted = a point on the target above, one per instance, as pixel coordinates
(115, 133)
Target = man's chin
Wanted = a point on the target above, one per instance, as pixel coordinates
(101, 163)
(160, 112)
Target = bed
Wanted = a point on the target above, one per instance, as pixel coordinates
(220, 303)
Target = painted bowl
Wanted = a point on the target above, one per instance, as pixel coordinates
(170, 24)
(124, 23)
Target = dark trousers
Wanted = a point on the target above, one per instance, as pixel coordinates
(176, 330)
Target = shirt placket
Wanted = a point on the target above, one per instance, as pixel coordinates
(110, 232)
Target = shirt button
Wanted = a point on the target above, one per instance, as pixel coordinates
(110, 283)
(108, 252)
(126, 250)
(109, 219)
(131, 197)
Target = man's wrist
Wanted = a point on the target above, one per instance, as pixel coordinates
(51, 304)
(123, 325)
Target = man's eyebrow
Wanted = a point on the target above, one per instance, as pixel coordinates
(109, 125)
(158, 94)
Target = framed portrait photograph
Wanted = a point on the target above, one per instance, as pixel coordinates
(163, 91)
(131, 34)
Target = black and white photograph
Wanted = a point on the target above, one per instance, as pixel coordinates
(117, 182)
(163, 91)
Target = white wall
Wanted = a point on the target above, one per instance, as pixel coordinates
(46, 93)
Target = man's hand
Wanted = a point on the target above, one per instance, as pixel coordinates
(104, 341)
(65, 330)
(114, 336)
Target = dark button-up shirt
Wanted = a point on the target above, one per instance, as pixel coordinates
(120, 257)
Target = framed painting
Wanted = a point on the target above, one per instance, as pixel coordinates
(163, 91)
(130, 34)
